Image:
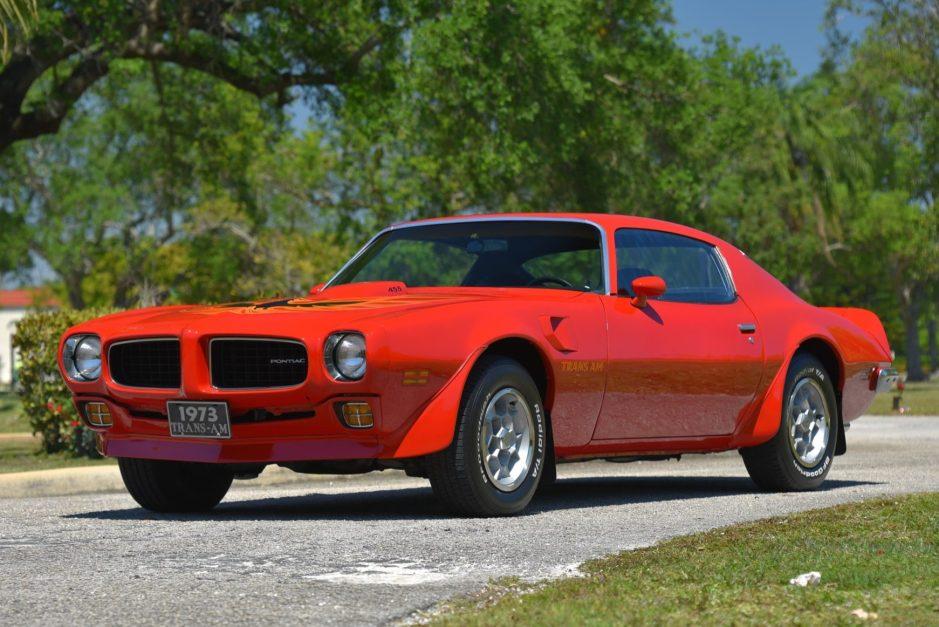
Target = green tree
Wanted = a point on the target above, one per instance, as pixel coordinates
(14, 252)
(265, 49)
(116, 184)
(14, 14)
(547, 105)
(166, 187)
(891, 77)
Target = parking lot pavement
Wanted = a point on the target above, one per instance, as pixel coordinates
(374, 549)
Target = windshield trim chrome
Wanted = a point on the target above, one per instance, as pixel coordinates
(604, 249)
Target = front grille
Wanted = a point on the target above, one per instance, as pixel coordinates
(249, 363)
(145, 363)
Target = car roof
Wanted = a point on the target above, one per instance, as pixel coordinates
(607, 221)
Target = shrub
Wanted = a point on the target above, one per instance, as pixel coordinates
(46, 400)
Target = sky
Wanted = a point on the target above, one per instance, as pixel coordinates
(793, 25)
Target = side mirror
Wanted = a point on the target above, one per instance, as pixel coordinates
(316, 289)
(646, 287)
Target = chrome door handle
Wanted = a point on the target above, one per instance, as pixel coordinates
(746, 327)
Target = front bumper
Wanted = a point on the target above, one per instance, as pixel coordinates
(321, 436)
(883, 379)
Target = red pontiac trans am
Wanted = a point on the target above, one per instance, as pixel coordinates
(479, 352)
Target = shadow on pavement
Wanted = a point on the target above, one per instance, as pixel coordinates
(419, 503)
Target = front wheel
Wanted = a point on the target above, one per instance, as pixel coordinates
(800, 454)
(497, 457)
(164, 486)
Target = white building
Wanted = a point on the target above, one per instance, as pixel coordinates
(14, 304)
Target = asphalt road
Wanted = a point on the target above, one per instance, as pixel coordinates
(374, 549)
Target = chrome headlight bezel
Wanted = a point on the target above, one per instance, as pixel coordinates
(342, 368)
(82, 357)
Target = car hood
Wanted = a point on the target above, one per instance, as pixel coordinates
(276, 317)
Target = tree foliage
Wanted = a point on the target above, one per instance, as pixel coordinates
(14, 14)
(890, 79)
(164, 187)
(263, 48)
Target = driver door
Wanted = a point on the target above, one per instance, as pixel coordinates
(687, 364)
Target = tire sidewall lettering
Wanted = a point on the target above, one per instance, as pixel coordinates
(479, 430)
(817, 472)
(539, 440)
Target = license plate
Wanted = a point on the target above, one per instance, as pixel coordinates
(191, 419)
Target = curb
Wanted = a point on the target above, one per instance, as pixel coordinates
(60, 481)
(19, 437)
(104, 479)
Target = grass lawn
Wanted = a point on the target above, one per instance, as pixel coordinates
(922, 399)
(11, 419)
(21, 455)
(879, 556)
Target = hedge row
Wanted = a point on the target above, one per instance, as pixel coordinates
(46, 400)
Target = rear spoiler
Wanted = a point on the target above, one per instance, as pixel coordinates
(865, 319)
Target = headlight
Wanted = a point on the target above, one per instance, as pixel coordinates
(82, 357)
(345, 356)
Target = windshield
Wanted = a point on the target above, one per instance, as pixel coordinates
(491, 253)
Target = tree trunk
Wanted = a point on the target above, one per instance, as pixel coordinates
(911, 310)
(932, 343)
(73, 287)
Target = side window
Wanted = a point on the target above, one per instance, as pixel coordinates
(582, 269)
(693, 270)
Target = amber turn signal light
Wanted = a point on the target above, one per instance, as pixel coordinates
(98, 414)
(357, 415)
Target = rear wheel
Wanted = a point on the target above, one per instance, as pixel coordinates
(164, 486)
(800, 454)
(497, 457)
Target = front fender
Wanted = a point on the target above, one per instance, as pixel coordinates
(434, 427)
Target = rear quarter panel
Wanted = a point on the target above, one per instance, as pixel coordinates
(786, 322)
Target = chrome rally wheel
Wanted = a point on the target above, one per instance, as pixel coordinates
(506, 439)
(809, 422)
